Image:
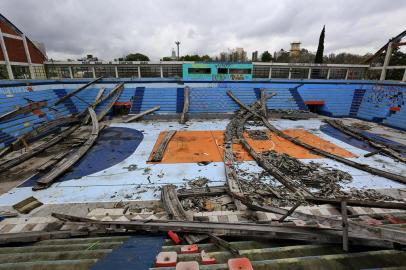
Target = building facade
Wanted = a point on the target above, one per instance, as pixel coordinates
(20, 58)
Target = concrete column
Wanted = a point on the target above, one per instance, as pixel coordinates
(139, 72)
(328, 73)
(71, 72)
(94, 72)
(116, 70)
(27, 53)
(309, 76)
(6, 59)
(404, 76)
(270, 72)
(346, 74)
(162, 71)
(386, 62)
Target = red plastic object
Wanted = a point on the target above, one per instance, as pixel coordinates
(239, 264)
(394, 109)
(187, 265)
(38, 113)
(207, 259)
(166, 259)
(314, 102)
(127, 104)
(175, 238)
(394, 220)
(189, 249)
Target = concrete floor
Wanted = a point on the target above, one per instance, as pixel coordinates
(133, 179)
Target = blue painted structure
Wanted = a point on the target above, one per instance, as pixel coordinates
(217, 71)
(367, 100)
(138, 253)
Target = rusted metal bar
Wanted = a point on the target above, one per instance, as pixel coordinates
(67, 162)
(159, 154)
(186, 98)
(363, 167)
(30, 107)
(137, 116)
(62, 99)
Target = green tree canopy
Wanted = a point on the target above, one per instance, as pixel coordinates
(320, 48)
(266, 57)
(196, 58)
(136, 57)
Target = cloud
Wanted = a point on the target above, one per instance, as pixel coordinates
(112, 28)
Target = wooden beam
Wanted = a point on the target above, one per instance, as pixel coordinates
(230, 229)
(159, 154)
(30, 107)
(186, 98)
(361, 203)
(381, 147)
(175, 211)
(344, 220)
(137, 116)
(37, 150)
(360, 166)
(68, 161)
(77, 91)
(114, 94)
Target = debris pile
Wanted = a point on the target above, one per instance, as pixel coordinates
(259, 135)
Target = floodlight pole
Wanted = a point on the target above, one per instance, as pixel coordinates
(177, 45)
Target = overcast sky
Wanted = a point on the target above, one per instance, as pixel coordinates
(112, 28)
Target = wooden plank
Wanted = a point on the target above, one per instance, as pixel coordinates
(117, 92)
(159, 154)
(360, 166)
(67, 162)
(344, 220)
(310, 234)
(201, 192)
(362, 203)
(175, 211)
(137, 116)
(29, 237)
(77, 91)
(27, 205)
(381, 147)
(28, 108)
(185, 105)
(37, 150)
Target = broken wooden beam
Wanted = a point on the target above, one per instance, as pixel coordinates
(137, 116)
(37, 150)
(318, 151)
(310, 234)
(68, 161)
(186, 97)
(114, 94)
(28, 108)
(159, 154)
(201, 192)
(361, 203)
(175, 211)
(380, 146)
(77, 91)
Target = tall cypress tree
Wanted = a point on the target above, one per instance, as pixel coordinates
(320, 48)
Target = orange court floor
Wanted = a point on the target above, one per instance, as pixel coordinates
(207, 146)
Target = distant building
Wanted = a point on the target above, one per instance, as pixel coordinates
(235, 55)
(295, 49)
(277, 54)
(173, 55)
(254, 56)
(20, 58)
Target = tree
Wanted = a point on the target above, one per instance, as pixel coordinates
(136, 57)
(320, 48)
(196, 58)
(266, 57)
